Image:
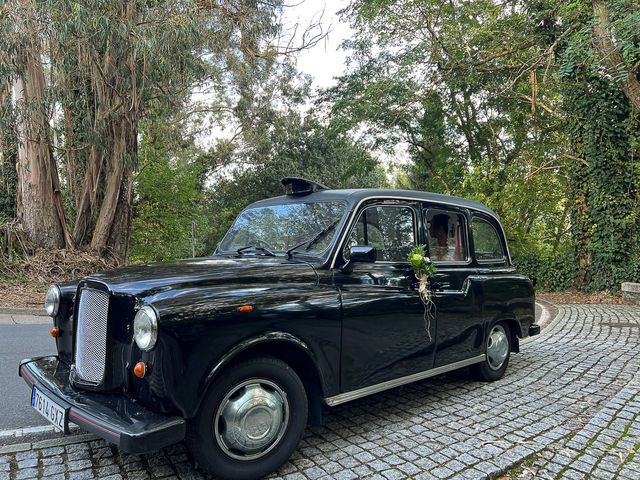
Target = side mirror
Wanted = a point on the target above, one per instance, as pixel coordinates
(362, 253)
(359, 253)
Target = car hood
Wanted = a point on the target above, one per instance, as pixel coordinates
(153, 279)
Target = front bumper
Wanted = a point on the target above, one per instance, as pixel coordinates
(111, 416)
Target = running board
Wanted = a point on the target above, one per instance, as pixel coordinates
(414, 377)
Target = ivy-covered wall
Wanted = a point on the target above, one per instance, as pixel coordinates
(605, 183)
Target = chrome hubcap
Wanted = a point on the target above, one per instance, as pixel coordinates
(251, 419)
(497, 347)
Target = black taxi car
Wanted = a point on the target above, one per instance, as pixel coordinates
(308, 300)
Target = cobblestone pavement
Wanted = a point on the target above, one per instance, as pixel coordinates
(608, 446)
(569, 407)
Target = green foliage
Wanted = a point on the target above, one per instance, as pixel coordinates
(509, 103)
(110, 66)
(606, 223)
(169, 199)
(8, 174)
(443, 83)
(550, 273)
(605, 132)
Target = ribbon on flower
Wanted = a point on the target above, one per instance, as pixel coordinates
(423, 268)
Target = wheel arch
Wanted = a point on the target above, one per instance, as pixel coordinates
(514, 331)
(286, 347)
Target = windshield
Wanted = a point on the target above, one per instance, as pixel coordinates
(278, 228)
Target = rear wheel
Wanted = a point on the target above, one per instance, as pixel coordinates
(250, 421)
(497, 352)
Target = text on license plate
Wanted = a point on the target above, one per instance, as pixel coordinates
(48, 408)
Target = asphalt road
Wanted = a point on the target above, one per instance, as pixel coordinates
(18, 342)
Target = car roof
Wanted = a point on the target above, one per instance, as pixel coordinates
(357, 195)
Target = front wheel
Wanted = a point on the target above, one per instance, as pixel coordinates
(250, 421)
(497, 352)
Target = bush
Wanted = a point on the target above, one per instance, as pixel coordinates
(549, 273)
(169, 197)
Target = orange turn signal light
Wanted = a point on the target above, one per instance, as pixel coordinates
(140, 369)
(245, 308)
(55, 332)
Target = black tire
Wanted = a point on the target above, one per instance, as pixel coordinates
(490, 370)
(207, 443)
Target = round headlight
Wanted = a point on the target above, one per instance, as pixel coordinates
(52, 300)
(145, 328)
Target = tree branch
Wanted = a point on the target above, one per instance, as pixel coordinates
(545, 107)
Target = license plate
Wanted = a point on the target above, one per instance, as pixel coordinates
(49, 409)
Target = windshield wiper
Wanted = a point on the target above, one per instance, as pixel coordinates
(260, 249)
(313, 240)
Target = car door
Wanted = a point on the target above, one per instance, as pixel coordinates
(490, 253)
(383, 331)
(458, 312)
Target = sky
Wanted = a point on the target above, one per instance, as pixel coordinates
(325, 60)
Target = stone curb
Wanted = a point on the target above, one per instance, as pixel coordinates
(20, 319)
(631, 293)
(554, 314)
(547, 320)
(28, 432)
(53, 442)
(549, 313)
(38, 312)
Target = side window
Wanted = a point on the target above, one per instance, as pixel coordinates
(446, 236)
(486, 241)
(389, 229)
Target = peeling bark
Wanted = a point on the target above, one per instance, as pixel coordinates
(40, 209)
(112, 227)
(87, 204)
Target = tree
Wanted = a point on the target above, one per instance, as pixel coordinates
(39, 204)
(108, 65)
(619, 54)
(599, 85)
(169, 198)
(442, 77)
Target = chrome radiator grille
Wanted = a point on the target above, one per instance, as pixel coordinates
(91, 335)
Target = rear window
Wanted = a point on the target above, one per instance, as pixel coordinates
(486, 241)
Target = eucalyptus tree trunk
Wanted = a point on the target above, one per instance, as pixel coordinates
(112, 229)
(119, 103)
(39, 201)
(84, 156)
(86, 207)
